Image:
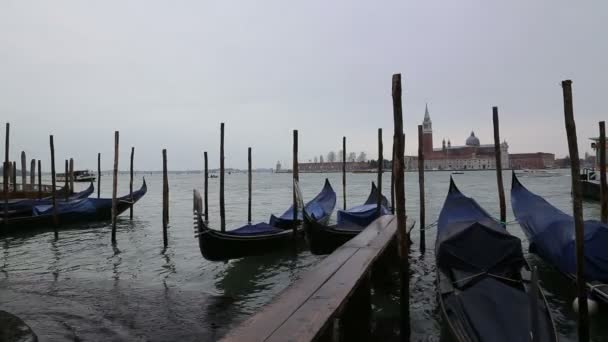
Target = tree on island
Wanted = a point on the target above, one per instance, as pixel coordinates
(331, 157)
(351, 157)
(316, 160)
(362, 157)
(321, 159)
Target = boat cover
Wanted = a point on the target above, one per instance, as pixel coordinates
(318, 208)
(469, 240)
(85, 205)
(550, 232)
(363, 215)
(256, 229)
(27, 204)
(493, 311)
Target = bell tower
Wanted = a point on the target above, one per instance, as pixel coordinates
(427, 132)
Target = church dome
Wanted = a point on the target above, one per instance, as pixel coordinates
(472, 140)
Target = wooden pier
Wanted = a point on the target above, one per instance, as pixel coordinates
(321, 304)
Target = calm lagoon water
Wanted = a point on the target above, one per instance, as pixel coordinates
(81, 288)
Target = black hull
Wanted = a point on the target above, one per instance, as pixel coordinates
(591, 190)
(218, 246)
(324, 239)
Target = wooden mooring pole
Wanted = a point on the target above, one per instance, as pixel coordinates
(344, 170)
(165, 200)
(380, 169)
(98, 174)
(497, 154)
(54, 188)
(393, 178)
(222, 203)
(421, 189)
(23, 170)
(296, 177)
(71, 175)
(603, 185)
(66, 187)
(115, 186)
(249, 179)
(404, 266)
(33, 174)
(14, 175)
(5, 172)
(131, 184)
(39, 179)
(206, 188)
(583, 315)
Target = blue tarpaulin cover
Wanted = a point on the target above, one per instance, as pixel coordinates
(362, 215)
(551, 234)
(319, 207)
(256, 229)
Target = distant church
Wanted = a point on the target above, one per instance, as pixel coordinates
(471, 156)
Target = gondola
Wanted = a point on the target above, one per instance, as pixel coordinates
(483, 279)
(260, 238)
(324, 239)
(24, 206)
(86, 209)
(320, 207)
(550, 232)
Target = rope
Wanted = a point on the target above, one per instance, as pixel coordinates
(430, 226)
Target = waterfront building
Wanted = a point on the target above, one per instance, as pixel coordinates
(471, 156)
(538, 160)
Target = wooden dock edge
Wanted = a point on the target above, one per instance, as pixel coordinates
(313, 308)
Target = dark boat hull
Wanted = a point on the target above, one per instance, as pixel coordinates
(591, 190)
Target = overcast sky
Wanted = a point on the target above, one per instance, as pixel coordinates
(166, 73)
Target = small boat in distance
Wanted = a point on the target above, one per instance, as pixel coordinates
(457, 173)
(483, 280)
(261, 238)
(551, 235)
(79, 176)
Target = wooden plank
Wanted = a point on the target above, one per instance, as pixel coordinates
(369, 234)
(314, 316)
(264, 323)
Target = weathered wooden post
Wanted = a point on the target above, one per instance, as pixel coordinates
(393, 179)
(71, 175)
(249, 185)
(98, 174)
(67, 185)
(421, 189)
(380, 169)
(39, 179)
(54, 188)
(344, 170)
(14, 176)
(33, 174)
(131, 184)
(23, 171)
(5, 172)
(583, 316)
(165, 200)
(206, 188)
(296, 177)
(222, 203)
(115, 186)
(603, 185)
(404, 266)
(497, 154)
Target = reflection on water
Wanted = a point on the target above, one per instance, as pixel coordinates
(82, 287)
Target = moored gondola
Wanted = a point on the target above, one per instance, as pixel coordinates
(324, 239)
(550, 232)
(260, 238)
(82, 210)
(25, 206)
(483, 279)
